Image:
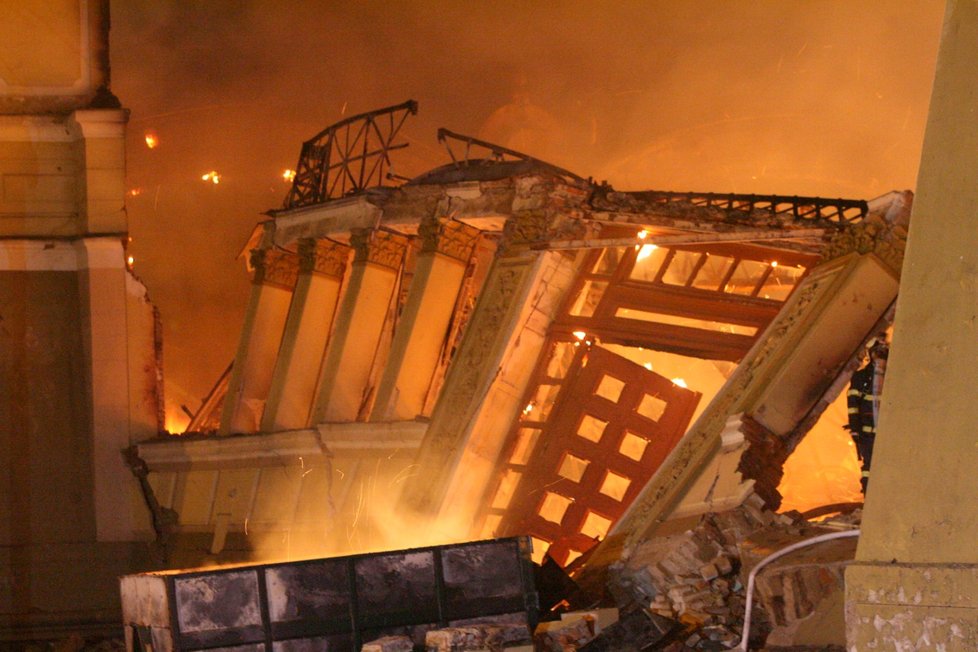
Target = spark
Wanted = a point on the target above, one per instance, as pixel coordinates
(288, 175)
(152, 140)
(211, 176)
(774, 263)
(135, 192)
(129, 261)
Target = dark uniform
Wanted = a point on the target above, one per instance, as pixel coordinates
(863, 404)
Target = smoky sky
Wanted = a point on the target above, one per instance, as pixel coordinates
(790, 97)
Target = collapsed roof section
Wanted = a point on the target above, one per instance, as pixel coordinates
(500, 346)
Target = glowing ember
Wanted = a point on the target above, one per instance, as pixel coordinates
(774, 263)
(135, 192)
(579, 334)
(288, 175)
(642, 235)
(129, 261)
(211, 176)
(152, 140)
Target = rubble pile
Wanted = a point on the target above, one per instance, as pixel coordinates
(697, 578)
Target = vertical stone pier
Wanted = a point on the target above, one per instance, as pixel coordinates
(914, 585)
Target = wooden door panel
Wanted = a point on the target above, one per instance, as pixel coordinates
(612, 426)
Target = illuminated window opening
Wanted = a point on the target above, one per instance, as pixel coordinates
(610, 388)
(591, 428)
(633, 446)
(615, 486)
(595, 526)
(651, 407)
(572, 468)
(553, 507)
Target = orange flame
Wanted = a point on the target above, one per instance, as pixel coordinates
(152, 140)
(211, 176)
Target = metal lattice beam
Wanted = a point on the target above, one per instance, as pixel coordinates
(349, 156)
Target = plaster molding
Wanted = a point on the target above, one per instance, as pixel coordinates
(448, 237)
(275, 267)
(381, 248)
(323, 257)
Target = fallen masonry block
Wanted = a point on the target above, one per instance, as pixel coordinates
(493, 637)
(636, 629)
(389, 644)
(559, 635)
(332, 604)
(455, 639)
(602, 618)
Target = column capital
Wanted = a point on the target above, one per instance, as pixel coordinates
(324, 257)
(275, 267)
(882, 235)
(448, 237)
(382, 248)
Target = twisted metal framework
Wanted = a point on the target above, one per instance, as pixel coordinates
(799, 210)
(349, 156)
(494, 154)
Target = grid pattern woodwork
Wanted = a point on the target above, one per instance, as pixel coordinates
(706, 302)
(580, 461)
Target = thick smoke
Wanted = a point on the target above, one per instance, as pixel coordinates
(807, 97)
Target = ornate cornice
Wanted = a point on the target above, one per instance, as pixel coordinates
(874, 235)
(323, 257)
(448, 237)
(275, 267)
(535, 227)
(378, 247)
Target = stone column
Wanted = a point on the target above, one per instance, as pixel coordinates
(360, 321)
(447, 246)
(275, 277)
(321, 268)
(488, 374)
(914, 584)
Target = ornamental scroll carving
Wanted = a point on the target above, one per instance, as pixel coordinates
(323, 257)
(275, 267)
(534, 227)
(448, 237)
(873, 235)
(378, 247)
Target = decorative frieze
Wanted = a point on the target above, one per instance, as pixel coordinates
(324, 257)
(882, 235)
(382, 248)
(275, 267)
(534, 227)
(448, 237)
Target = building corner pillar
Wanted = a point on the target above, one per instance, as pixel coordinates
(914, 583)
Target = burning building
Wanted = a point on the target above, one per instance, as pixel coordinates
(501, 347)
(495, 347)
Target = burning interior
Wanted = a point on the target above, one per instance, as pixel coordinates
(500, 347)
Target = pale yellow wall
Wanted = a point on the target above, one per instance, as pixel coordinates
(53, 54)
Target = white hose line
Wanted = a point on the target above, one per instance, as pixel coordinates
(767, 560)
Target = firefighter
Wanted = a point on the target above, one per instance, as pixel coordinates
(863, 402)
